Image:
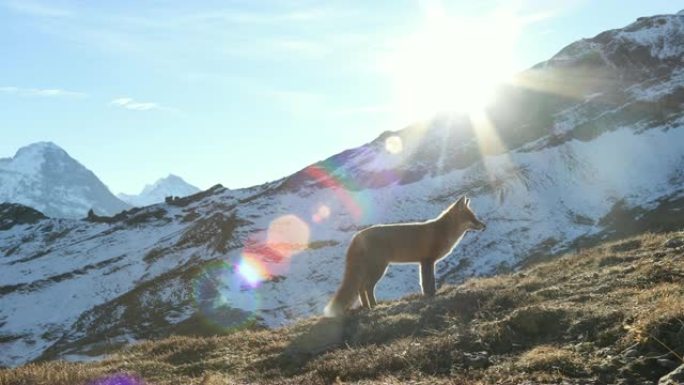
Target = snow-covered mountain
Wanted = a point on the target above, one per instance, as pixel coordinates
(45, 177)
(583, 147)
(171, 186)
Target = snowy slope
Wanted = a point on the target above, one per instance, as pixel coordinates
(171, 186)
(573, 162)
(45, 177)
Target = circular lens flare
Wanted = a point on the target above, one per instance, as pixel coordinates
(321, 214)
(288, 235)
(394, 144)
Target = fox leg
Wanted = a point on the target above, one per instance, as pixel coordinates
(427, 278)
(373, 278)
(364, 298)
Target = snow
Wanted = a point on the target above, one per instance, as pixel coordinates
(663, 37)
(43, 176)
(171, 185)
(655, 89)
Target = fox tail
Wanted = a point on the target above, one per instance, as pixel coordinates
(348, 290)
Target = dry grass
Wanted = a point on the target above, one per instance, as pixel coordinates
(572, 319)
(546, 358)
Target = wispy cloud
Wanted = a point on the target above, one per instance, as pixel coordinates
(34, 8)
(166, 34)
(246, 17)
(42, 92)
(132, 104)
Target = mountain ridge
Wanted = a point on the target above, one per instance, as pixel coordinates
(169, 186)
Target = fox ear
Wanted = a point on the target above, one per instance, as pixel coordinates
(461, 202)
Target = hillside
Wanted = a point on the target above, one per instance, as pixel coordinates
(610, 314)
(585, 148)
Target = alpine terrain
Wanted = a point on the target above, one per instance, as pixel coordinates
(582, 148)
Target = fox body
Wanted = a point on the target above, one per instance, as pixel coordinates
(371, 250)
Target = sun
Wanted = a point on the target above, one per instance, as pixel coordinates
(451, 64)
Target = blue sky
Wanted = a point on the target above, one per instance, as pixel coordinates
(244, 92)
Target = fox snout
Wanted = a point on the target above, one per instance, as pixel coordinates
(477, 225)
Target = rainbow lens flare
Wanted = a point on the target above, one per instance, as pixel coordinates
(118, 379)
(220, 296)
(327, 180)
(252, 270)
(267, 255)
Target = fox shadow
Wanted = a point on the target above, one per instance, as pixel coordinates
(415, 316)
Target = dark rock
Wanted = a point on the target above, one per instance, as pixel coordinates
(12, 214)
(479, 360)
(674, 243)
(626, 246)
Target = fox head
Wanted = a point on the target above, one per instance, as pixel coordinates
(462, 214)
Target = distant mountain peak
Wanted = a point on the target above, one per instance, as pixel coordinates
(169, 180)
(171, 185)
(44, 176)
(43, 145)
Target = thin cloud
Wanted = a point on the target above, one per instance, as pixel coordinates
(132, 104)
(42, 92)
(34, 8)
(242, 17)
(178, 35)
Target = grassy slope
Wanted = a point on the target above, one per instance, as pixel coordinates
(614, 313)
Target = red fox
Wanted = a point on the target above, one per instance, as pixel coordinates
(372, 249)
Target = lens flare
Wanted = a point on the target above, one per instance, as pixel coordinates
(118, 379)
(321, 214)
(493, 151)
(223, 298)
(252, 271)
(342, 192)
(288, 235)
(394, 145)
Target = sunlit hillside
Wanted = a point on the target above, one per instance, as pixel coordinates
(609, 314)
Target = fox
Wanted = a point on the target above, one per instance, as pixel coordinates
(371, 250)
